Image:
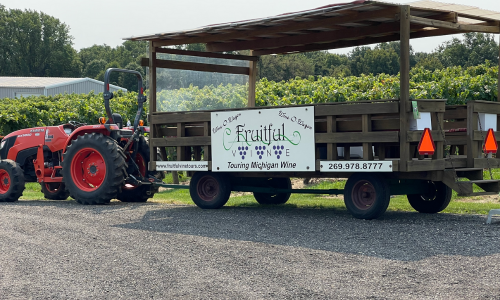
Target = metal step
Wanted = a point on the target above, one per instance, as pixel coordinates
(479, 194)
(470, 173)
(465, 187)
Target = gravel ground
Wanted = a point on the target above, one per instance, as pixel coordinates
(62, 250)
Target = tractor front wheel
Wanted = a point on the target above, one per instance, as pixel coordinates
(54, 190)
(11, 181)
(94, 169)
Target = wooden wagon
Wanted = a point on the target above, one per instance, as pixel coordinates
(384, 134)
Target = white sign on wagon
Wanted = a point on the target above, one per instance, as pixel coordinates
(263, 140)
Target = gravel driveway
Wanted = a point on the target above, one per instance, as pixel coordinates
(62, 250)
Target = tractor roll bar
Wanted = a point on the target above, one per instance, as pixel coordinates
(108, 95)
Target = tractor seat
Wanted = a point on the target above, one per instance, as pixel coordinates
(117, 119)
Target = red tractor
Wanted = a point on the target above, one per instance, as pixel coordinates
(91, 163)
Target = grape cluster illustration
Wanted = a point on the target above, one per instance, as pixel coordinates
(260, 151)
(278, 150)
(243, 151)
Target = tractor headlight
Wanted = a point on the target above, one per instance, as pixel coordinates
(2, 144)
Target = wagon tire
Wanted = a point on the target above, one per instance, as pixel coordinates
(93, 169)
(269, 198)
(11, 181)
(366, 196)
(436, 200)
(54, 190)
(210, 190)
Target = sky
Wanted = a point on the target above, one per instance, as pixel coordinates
(109, 21)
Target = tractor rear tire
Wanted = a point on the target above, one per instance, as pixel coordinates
(131, 193)
(11, 181)
(274, 199)
(94, 169)
(366, 196)
(210, 190)
(54, 190)
(436, 200)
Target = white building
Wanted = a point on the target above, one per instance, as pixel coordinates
(15, 87)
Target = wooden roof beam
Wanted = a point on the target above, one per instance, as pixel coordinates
(206, 54)
(390, 12)
(454, 26)
(305, 39)
(353, 43)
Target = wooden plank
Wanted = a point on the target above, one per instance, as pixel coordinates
(458, 113)
(252, 81)
(456, 124)
(180, 117)
(498, 81)
(358, 137)
(485, 163)
(152, 100)
(366, 125)
(181, 142)
(487, 107)
(457, 163)
(183, 65)
(426, 106)
(415, 136)
(303, 39)
(404, 62)
(206, 54)
(172, 131)
(456, 140)
(388, 12)
(454, 26)
(357, 109)
(472, 146)
(480, 136)
(425, 165)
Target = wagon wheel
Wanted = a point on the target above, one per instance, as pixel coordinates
(435, 200)
(210, 190)
(366, 196)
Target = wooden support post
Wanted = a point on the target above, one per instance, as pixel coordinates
(381, 151)
(252, 81)
(206, 148)
(366, 125)
(331, 148)
(404, 97)
(347, 152)
(472, 146)
(498, 82)
(181, 131)
(439, 153)
(152, 101)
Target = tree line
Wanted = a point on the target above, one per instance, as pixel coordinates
(35, 44)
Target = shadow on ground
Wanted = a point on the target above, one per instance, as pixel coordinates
(398, 235)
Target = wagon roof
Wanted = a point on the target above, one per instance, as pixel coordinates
(333, 26)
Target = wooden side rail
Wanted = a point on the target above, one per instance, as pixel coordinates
(416, 162)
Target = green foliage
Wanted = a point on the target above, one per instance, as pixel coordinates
(55, 110)
(35, 44)
(473, 50)
(457, 85)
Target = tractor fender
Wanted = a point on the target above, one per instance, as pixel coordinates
(87, 129)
